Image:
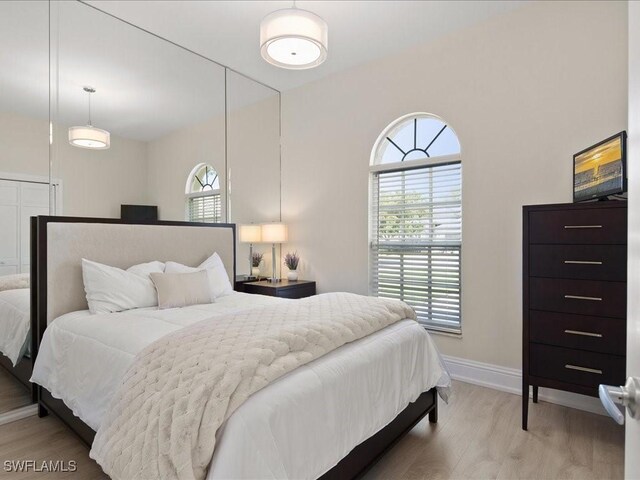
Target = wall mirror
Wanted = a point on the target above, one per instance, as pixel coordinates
(24, 182)
(253, 160)
(138, 120)
(132, 116)
(96, 113)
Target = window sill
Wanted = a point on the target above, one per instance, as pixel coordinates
(444, 334)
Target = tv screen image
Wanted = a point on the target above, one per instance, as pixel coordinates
(600, 170)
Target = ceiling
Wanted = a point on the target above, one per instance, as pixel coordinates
(359, 31)
(146, 87)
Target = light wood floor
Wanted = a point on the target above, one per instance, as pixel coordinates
(478, 436)
(12, 394)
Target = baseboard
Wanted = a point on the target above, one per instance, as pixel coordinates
(510, 380)
(18, 414)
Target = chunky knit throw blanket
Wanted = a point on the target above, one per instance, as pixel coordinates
(14, 282)
(163, 420)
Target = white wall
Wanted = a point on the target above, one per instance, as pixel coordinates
(172, 158)
(24, 145)
(253, 162)
(253, 158)
(97, 182)
(524, 91)
(94, 183)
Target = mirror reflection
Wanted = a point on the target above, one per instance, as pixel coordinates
(140, 121)
(24, 182)
(101, 119)
(135, 117)
(253, 159)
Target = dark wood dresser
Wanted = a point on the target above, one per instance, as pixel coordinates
(574, 297)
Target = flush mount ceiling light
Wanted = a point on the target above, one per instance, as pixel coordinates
(293, 38)
(88, 136)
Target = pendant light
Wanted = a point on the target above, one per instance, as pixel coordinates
(293, 38)
(88, 136)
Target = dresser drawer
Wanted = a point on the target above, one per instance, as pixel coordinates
(596, 334)
(576, 366)
(282, 289)
(587, 262)
(577, 226)
(583, 297)
(303, 292)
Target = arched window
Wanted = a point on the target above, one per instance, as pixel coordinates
(203, 195)
(416, 219)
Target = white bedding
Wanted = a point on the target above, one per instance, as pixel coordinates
(14, 323)
(297, 427)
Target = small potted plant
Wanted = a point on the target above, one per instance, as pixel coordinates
(291, 260)
(256, 260)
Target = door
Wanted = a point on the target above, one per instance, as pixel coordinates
(632, 434)
(629, 395)
(18, 202)
(9, 233)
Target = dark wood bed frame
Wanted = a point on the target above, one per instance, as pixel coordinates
(354, 465)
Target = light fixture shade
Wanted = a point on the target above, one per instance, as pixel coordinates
(274, 233)
(89, 137)
(294, 39)
(250, 233)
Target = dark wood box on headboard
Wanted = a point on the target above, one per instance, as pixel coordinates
(574, 297)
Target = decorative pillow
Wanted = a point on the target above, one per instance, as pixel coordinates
(110, 289)
(14, 282)
(177, 290)
(218, 279)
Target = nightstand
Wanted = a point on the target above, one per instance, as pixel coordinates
(283, 289)
(242, 279)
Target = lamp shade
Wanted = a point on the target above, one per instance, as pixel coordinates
(293, 38)
(250, 233)
(274, 233)
(89, 137)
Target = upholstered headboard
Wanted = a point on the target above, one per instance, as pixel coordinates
(66, 241)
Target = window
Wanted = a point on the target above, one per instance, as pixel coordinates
(416, 219)
(203, 195)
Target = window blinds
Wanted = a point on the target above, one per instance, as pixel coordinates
(416, 241)
(206, 209)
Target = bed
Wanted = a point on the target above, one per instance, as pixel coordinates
(16, 340)
(15, 335)
(331, 417)
(14, 324)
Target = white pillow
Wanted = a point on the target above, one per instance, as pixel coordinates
(177, 290)
(111, 289)
(218, 278)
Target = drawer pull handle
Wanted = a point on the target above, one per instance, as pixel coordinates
(583, 369)
(580, 297)
(582, 226)
(582, 262)
(584, 334)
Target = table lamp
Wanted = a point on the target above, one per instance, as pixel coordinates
(274, 233)
(250, 234)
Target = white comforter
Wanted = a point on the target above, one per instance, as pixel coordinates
(14, 323)
(343, 397)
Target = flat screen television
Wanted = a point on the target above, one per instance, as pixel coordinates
(601, 170)
(139, 213)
